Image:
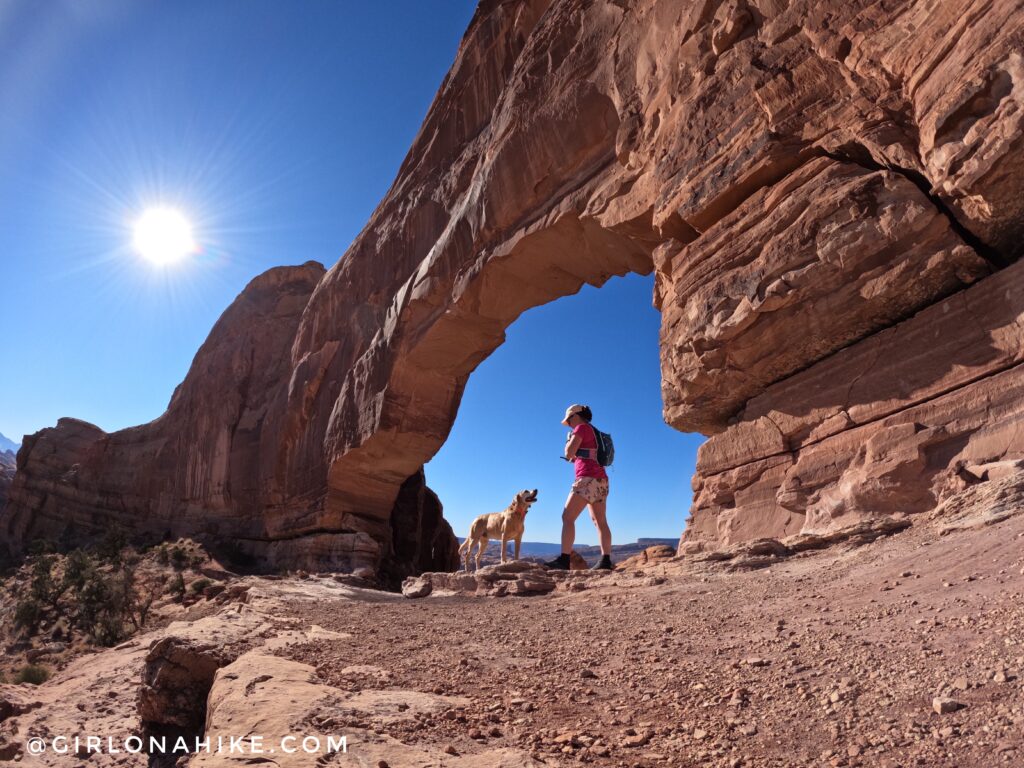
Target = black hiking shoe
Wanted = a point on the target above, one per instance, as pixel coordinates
(560, 563)
(604, 564)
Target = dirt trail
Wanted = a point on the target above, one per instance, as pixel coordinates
(831, 658)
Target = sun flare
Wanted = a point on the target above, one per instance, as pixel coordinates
(163, 236)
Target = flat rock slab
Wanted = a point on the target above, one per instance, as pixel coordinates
(986, 503)
(276, 697)
(518, 578)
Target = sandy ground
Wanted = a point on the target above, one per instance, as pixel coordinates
(830, 658)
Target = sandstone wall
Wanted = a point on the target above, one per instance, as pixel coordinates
(807, 179)
(8, 466)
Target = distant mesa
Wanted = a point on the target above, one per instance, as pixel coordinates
(6, 444)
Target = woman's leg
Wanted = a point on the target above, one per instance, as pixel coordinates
(599, 514)
(573, 506)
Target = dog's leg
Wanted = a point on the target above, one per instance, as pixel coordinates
(504, 547)
(519, 540)
(469, 552)
(481, 546)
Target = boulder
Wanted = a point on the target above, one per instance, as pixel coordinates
(517, 577)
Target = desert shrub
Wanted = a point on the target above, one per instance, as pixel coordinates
(41, 547)
(177, 586)
(78, 567)
(97, 599)
(32, 674)
(111, 546)
(197, 586)
(27, 614)
(163, 556)
(136, 595)
(93, 597)
(179, 557)
(109, 629)
(43, 586)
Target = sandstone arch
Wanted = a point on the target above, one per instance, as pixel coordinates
(817, 186)
(432, 365)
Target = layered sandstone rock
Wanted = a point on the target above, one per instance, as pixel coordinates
(803, 177)
(893, 424)
(8, 465)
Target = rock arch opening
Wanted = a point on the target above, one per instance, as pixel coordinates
(599, 346)
(439, 331)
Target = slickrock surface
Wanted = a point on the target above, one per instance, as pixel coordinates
(803, 177)
(829, 658)
(906, 649)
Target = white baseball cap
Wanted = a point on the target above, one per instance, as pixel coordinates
(572, 410)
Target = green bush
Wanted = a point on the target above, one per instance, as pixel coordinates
(79, 567)
(177, 586)
(162, 555)
(179, 557)
(112, 544)
(197, 586)
(32, 674)
(110, 629)
(27, 614)
(43, 586)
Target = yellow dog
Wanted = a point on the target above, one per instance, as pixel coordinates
(505, 525)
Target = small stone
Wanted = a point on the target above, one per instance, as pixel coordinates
(450, 750)
(638, 740)
(961, 683)
(755, 661)
(944, 705)
(700, 734)
(588, 674)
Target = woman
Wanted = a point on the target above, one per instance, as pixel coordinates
(589, 489)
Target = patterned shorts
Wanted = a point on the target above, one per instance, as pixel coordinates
(593, 489)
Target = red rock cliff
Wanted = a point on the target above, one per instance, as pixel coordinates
(829, 193)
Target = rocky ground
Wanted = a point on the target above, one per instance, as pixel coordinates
(542, 552)
(904, 651)
(832, 658)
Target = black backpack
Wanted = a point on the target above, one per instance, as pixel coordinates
(605, 447)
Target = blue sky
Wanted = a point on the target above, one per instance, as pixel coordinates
(275, 129)
(508, 434)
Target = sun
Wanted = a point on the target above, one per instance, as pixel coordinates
(163, 236)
